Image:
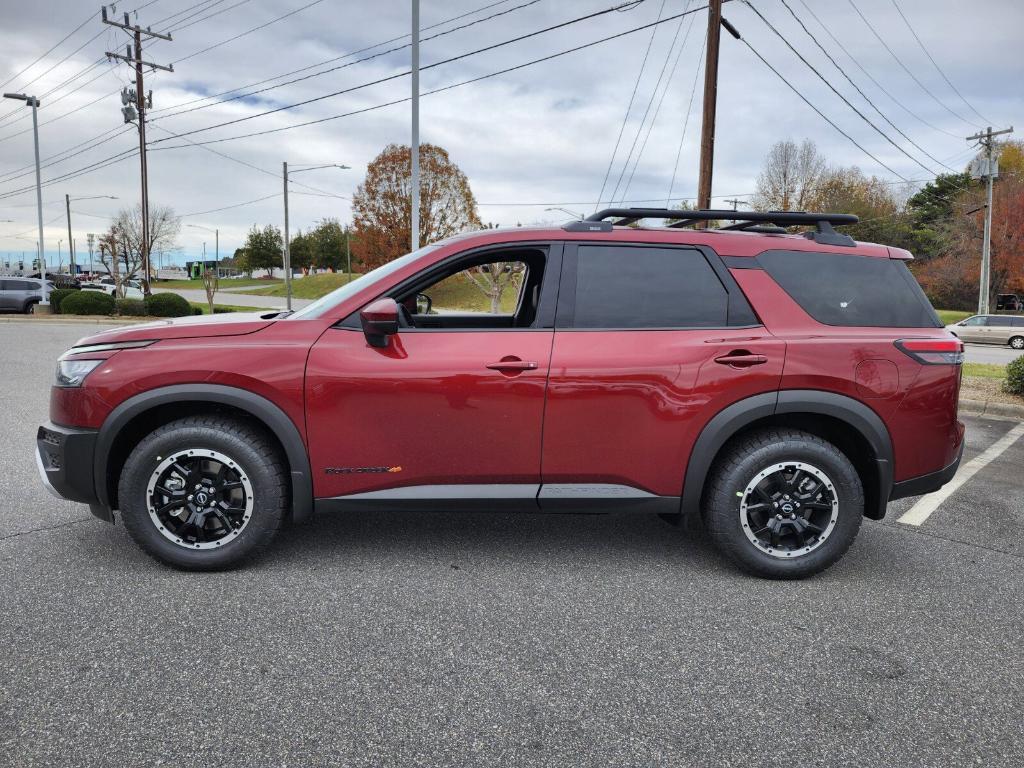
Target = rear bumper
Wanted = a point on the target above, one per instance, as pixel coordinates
(916, 486)
(64, 458)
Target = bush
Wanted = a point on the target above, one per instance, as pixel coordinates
(131, 307)
(87, 303)
(167, 305)
(197, 309)
(221, 310)
(1014, 383)
(57, 295)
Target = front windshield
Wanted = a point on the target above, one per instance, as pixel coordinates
(335, 297)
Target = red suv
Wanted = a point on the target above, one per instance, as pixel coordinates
(782, 386)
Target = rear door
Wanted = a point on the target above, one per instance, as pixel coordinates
(650, 342)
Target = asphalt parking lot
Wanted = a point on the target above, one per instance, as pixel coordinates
(457, 639)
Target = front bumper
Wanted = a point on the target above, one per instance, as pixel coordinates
(64, 458)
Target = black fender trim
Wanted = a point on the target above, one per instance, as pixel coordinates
(735, 417)
(271, 415)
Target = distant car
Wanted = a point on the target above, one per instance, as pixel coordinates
(21, 294)
(991, 329)
(1009, 302)
(130, 289)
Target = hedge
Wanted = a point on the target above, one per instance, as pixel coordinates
(87, 303)
(131, 307)
(167, 305)
(57, 295)
(1014, 383)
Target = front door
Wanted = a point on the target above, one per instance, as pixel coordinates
(451, 409)
(649, 342)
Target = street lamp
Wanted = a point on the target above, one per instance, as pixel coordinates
(33, 102)
(216, 235)
(566, 210)
(71, 243)
(287, 250)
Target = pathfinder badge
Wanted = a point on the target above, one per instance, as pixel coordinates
(360, 470)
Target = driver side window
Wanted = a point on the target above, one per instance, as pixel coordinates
(500, 289)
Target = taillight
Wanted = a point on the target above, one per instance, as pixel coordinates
(933, 351)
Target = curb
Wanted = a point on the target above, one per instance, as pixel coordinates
(988, 408)
(75, 319)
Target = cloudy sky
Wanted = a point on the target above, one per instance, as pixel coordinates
(540, 136)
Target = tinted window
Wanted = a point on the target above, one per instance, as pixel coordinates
(842, 289)
(1017, 322)
(20, 285)
(633, 287)
(976, 320)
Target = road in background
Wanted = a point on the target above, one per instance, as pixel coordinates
(235, 299)
(534, 640)
(990, 353)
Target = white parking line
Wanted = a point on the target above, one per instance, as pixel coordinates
(921, 511)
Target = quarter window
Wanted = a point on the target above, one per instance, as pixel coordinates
(634, 287)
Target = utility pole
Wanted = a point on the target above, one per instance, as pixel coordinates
(44, 305)
(90, 239)
(707, 131)
(414, 218)
(287, 249)
(735, 205)
(985, 140)
(135, 59)
(71, 243)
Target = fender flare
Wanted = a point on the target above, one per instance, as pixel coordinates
(259, 407)
(735, 417)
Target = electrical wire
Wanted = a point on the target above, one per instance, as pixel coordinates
(832, 88)
(629, 108)
(686, 122)
(63, 40)
(858, 89)
(936, 64)
(907, 69)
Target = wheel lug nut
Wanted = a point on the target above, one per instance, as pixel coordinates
(778, 517)
(190, 497)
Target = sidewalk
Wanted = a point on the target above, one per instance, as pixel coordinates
(236, 299)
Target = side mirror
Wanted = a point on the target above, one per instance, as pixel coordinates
(423, 304)
(380, 320)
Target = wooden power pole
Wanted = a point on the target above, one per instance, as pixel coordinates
(134, 58)
(707, 128)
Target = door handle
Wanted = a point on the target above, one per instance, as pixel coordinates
(741, 360)
(512, 364)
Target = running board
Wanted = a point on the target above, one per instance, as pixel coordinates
(505, 497)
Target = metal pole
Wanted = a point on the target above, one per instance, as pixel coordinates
(414, 220)
(707, 133)
(216, 245)
(141, 102)
(71, 242)
(39, 207)
(287, 253)
(348, 257)
(986, 245)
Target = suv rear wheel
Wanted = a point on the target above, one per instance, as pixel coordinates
(783, 504)
(204, 492)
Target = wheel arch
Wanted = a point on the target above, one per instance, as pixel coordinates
(847, 423)
(134, 418)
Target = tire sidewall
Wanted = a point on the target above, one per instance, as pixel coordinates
(268, 504)
(1018, 339)
(723, 514)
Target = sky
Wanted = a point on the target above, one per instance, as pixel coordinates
(537, 137)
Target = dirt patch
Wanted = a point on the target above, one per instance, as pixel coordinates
(978, 388)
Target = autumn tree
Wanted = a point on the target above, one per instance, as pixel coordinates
(264, 249)
(789, 176)
(381, 206)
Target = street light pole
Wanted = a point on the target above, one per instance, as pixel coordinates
(67, 202)
(414, 205)
(33, 102)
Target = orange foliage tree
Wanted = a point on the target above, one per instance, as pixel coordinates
(381, 206)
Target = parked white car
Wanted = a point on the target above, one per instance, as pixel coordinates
(131, 289)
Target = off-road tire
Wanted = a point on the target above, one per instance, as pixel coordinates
(256, 456)
(742, 461)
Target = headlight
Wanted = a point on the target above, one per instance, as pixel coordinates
(71, 373)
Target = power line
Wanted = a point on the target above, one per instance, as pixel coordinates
(832, 88)
(821, 114)
(206, 18)
(936, 64)
(229, 207)
(629, 108)
(335, 69)
(857, 88)
(431, 66)
(686, 121)
(904, 66)
(870, 77)
(43, 56)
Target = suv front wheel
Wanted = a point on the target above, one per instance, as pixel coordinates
(783, 504)
(204, 492)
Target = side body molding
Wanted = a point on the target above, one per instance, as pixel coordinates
(735, 417)
(276, 420)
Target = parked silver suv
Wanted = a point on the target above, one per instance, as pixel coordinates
(20, 294)
(991, 329)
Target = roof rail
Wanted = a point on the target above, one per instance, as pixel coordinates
(758, 221)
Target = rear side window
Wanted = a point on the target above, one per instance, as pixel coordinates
(849, 290)
(1017, 322)
(634, 287)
